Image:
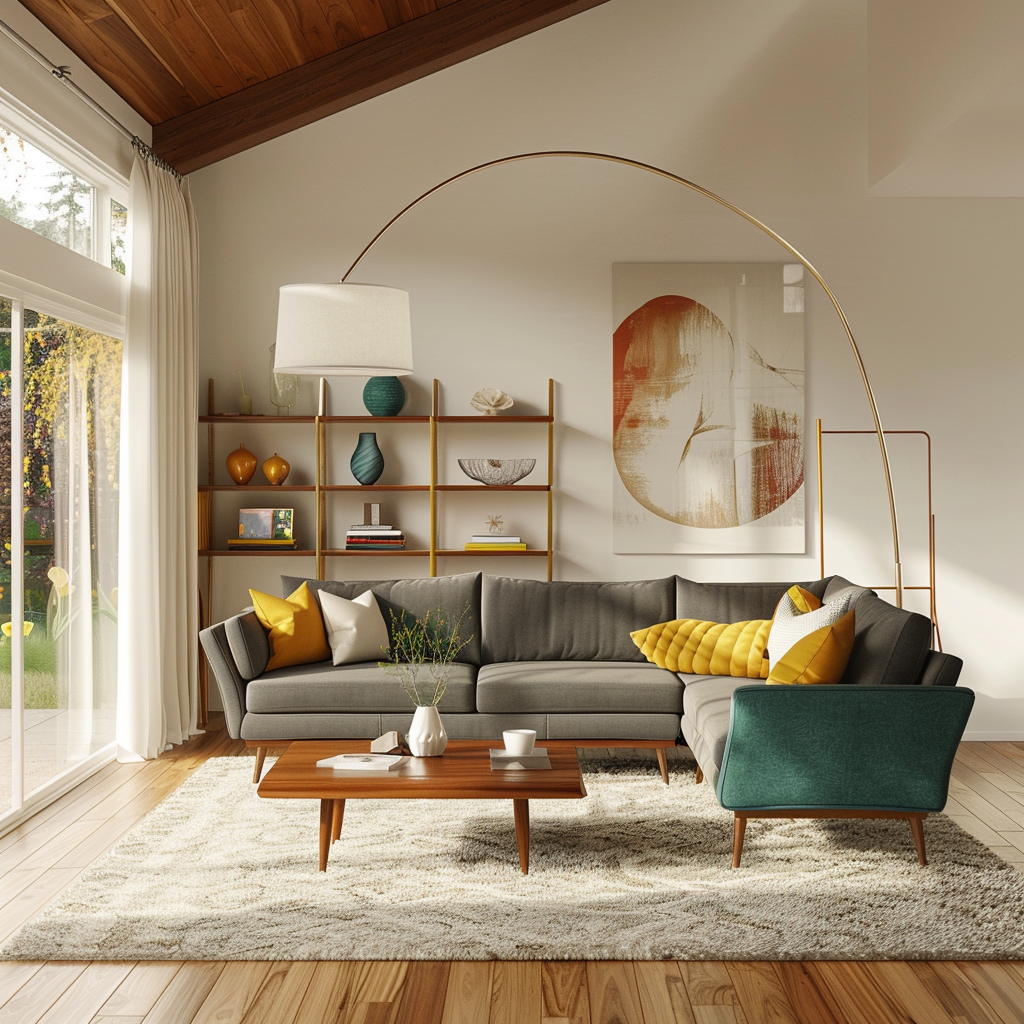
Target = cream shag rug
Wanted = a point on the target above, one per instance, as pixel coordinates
(634, 871)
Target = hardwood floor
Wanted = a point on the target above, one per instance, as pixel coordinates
(48, 851)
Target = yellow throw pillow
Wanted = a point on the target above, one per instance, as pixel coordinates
(295, 627)
(803, 600)
(707, 648)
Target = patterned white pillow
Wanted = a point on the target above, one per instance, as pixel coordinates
(790, 625)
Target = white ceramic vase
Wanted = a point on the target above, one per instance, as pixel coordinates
(426, 736)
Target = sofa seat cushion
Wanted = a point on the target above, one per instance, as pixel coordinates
(562, 687)
(707, 704)
(360, 688)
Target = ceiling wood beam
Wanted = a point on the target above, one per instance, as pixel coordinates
(437, 40)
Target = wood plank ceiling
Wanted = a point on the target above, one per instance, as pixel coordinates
(215, 77)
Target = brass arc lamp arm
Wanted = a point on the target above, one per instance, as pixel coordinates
(660, 172)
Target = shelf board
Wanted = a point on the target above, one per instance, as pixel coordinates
(407, 552)
(221, 418)
(487, 554)
(495, 419)
(257, 487)
(217, 552)
(493, 487)
(376, 419)
(375, 487)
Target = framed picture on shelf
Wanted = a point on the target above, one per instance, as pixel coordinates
(265, 523)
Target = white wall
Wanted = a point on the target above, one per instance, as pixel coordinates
(510, 275)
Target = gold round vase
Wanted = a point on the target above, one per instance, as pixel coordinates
(241, 464)
(276, 469)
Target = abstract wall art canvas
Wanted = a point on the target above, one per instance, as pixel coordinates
(708, 408)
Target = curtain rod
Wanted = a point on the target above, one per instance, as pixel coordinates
(63, 75)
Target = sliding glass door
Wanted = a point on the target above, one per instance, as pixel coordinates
(59, 430)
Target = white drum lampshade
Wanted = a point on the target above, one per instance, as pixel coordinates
(333, 330)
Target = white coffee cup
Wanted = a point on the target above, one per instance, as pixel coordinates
(519, 741)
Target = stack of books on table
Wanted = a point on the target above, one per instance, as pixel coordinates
(371, 537)
(495, 542)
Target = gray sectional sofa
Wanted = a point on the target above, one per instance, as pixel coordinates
(555, 657)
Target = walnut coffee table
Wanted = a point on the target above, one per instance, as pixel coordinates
(462, 772)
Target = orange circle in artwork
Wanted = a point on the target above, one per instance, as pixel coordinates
(705, 432)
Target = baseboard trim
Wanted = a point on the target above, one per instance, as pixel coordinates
(972, 736)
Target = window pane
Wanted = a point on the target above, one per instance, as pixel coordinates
(43, 195)
(6, 766)
(118, 233)
(72, 384)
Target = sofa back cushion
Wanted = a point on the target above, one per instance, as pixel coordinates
(248, 643)
(454, 594)
(890, 644)
(733, 602)
(530, 620)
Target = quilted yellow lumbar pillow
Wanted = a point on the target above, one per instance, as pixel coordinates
(295, 627)
(707, 648)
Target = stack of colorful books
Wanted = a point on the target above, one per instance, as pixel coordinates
(374, 537)
(495, 542)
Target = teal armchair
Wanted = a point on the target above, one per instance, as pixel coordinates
(840, 752)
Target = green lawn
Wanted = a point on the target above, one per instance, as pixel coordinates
(40, 672)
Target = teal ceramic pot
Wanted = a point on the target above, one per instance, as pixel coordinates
(384, 396)
(367, 462)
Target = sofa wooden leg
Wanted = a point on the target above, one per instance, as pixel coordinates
(917, 827)
(261, 754)
(699, 776)
(663, 764)
(739, 827)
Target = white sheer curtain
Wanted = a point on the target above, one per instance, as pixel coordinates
(157, 618)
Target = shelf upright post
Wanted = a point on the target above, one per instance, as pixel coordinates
(321, 470)
(433, 480)
(551, 475)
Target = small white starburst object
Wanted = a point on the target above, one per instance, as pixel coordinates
(494, 523)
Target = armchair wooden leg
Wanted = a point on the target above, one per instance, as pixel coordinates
(739, 827)
(699, 776)
(261, 754)
(917, 827)
(663, 764)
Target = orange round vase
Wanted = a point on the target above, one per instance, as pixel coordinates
(276, 469)
(241, 464)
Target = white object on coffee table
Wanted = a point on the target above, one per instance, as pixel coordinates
(519, 741)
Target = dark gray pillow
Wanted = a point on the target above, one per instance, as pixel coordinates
(249, 644)
(453, 594)
(530, 620)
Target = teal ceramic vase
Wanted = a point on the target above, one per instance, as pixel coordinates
(384, 396)
(367, 462)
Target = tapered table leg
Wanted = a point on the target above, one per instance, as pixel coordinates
(521, 809)
(337, 817)
(326, 817)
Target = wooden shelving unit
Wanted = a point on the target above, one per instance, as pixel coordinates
(437, 490)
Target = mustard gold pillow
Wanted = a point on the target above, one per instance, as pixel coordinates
(707, 648)
(295, 628)
(810, 646)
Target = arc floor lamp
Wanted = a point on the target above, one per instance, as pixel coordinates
(362, 330)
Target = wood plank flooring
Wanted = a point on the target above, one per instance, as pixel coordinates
(42, 855)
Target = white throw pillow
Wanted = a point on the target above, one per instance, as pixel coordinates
(791, 625)
(355, 629)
